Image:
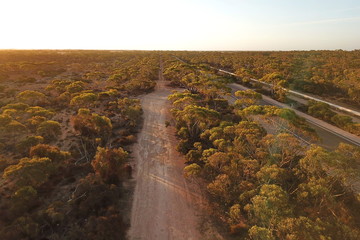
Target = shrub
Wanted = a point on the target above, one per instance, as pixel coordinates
(92, 196)
(15, 128)
(52, 152)
(23, 199)
(17, 106)
(83, 100)
(92, 125)
(30, 171)
(4, 120)
(74, 87)
(32, 97)
(49, 129)
(109, 164)
(30, 141)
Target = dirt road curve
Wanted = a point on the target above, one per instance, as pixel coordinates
(165, 205)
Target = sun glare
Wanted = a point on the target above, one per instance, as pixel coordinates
(159, 24)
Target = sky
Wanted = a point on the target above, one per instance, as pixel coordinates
(180, 24)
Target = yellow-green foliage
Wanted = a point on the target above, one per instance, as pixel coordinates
(30, 171)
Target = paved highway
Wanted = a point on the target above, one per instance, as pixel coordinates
(331, 136)
(336, 106)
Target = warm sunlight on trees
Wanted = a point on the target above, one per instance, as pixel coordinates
(109, 164)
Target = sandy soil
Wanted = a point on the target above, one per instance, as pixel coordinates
(165, 204)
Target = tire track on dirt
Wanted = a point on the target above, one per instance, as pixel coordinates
(165, 205)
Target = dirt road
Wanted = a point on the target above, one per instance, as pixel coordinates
(165, 205)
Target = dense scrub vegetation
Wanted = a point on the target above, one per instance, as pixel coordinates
(332, 74)
(324, 112)
(262, 186)
(66, 118)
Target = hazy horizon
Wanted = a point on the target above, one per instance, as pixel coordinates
(198, 25)
(169, 50)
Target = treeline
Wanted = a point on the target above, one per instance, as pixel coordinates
(262, 186)
(63, 158)
(131, 71)
(332, 74)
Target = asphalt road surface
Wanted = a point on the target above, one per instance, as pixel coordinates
(330, 135)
